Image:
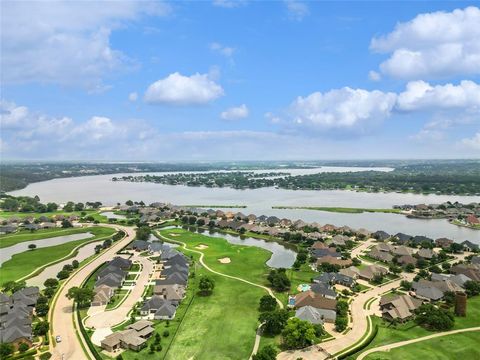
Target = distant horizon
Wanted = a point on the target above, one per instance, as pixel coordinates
(234, 80)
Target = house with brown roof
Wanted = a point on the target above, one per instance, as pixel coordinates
(134, 337)
(103, 294)
(398, 307)
(369, 272)
(309, 298)
(407, 259)
(471, 271)
(444, 243)
(380, 255)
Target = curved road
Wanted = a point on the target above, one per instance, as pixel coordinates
(63, 321)
(407, 342)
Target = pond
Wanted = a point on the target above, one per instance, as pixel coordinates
(7, 252)
(51, 271)
(112, 215)
(281, 256)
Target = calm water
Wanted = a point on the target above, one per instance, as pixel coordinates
(281, 256)
(260, 201)
(112, 215)
(7, 252)
(51, 271)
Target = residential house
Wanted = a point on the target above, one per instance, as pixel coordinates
(332, 278)
(130, 338)
(407, 259)
(469, 246)
(471, 271)
(309, 298)
(402, 251)
(103, 294)
(369, 272)
(314, 315)
(158, 308)
(398, 307)
(381, 235)
(426, 254)
(444, 243)
(380, 255)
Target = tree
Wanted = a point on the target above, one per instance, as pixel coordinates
(166, 333)
(266, 353)
(449, 298)
(67, 267)
(206, 285)
(267, 303)
(98, 248)
(51, 283)
(410, 268)
(433, 318)
(42, 309)
(75, 264)
(342, 308)
(472, 288)
(456, 248)
(5, 350)
(298, 334)
(279, 280)
(22, 347)
(326, 267)
(157, 338)
(69, 206)
(49, 292)
(201, 222)
(51, 206)
(405, 285)
(41, 328)
(143, 233)
(66, 224)
(394, 269)
(79, 206)
(274, 321)
(13, 286)
(341, 323)
(129, 203)
(82, 296)
(42, 300)
(32, 246)
(152, 348)
(63, 275)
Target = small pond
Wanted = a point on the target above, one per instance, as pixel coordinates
(7, 253)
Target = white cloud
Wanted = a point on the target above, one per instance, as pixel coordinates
(374, 76)
(272, 118)
(41, 42)
(428, 135)
(420, 95)
(133, 96)
(177, 89)
(472, 143)
(228, 3)
(234, 113)
(345, 108)
(226, 51)
(297, 10)
(432, 45)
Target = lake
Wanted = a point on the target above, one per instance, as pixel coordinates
(7, 252)
(260, 201)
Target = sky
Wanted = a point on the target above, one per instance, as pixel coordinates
(239, 80)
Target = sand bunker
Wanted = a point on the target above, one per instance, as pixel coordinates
(174, 235)
(225, 260)
(201, 247)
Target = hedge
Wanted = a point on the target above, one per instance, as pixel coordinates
(363, 345)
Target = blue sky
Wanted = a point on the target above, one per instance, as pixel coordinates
(232, 80)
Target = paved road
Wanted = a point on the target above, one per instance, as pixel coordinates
(61, 319)
(407, 342)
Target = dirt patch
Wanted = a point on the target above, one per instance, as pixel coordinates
(201, 247)
(225, 260)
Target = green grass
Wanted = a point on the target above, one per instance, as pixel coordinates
(456, 346)
(247, 262)
(222, 325)
(390, 334)
(340, 209)
(24, 263)
(118, 298)
(216, 206)
(36, 215)
(26, 235)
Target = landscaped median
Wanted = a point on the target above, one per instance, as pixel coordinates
(31, 262)
(360, 344)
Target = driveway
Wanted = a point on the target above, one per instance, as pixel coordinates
(62, 321)
(110, 318)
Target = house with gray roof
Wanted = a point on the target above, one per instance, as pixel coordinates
(158, 308)
(315, 316)
(324, 290)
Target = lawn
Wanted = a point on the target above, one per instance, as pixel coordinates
(26, 235)
(118, 298)
(24, 263)
(220, 326)
(458, 346)
(9, 214)
(247, 262)
(388, 334)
